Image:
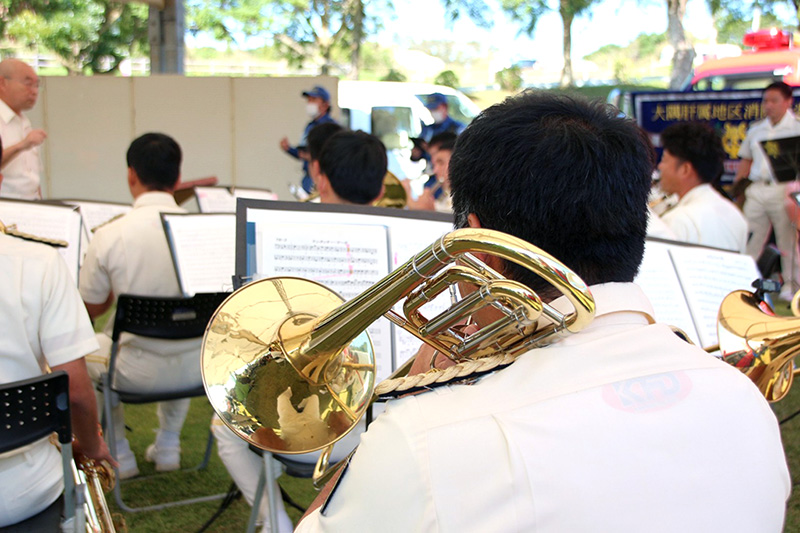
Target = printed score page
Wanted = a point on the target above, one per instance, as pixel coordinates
(255, 194)
(97, 214)
(215, 200)
(348, 259)
(659, 281)
(203, 249)
(408, 237)
(50, 221)
(707, 276)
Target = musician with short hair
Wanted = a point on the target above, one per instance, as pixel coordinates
(350, 169)
(44, 326)
(130, 255)
(691, 163)
(622, 426)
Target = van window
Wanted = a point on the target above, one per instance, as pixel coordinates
(394, 126)
(455, 107)
(345, 120)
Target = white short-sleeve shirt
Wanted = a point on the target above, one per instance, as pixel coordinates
(42, 313)
(21, 176)
(763, 130)
(704, 217)
(620, 427)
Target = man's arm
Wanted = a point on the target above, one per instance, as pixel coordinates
(95, 310)
(83, 410)
(743, 170)
(32, 140)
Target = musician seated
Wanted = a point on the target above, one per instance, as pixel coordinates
(436, 195)
(44, 327)
(131, 256)
(622, 426)
(350, 169)
(692, 160)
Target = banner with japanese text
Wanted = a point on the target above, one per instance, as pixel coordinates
(728, 112)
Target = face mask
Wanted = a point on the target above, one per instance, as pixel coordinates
(438, 116)
(312, 109)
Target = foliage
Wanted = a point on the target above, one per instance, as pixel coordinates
(509, 79)
(395, 75)
(447, 78)
(93, 35)
(733, 20)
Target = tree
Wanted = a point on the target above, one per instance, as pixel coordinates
(683, 55)
(326, 32)
(448, 78)
(734, 18)
(527, 13)
(509, 79)
(95, 35)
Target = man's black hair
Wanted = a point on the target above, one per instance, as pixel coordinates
(317, 137)
(443, 141)
(355, 164)
(698, 144)
(563, 173)
(784, 88)
(156, 158)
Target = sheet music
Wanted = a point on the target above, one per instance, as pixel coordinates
(255, 194)
(707, 276)
(659, 281)
(47, 220)
(215, 200)
(407, 236)
(96, 214)
(347, 259)
(203, 249)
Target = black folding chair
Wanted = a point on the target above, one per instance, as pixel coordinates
(30, 410)
(160, 318)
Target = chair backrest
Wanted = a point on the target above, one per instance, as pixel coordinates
(165, 318)
(34, 408)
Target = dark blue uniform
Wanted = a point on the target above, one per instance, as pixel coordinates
(308, 183)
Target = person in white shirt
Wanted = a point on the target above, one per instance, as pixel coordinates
(20, 166)
(622, 426)
(131, 256)
(764, 199)
(44, 326)
(692, 160)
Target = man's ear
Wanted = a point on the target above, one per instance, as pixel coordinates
(472, 221)
(380, 194)
(133, 178)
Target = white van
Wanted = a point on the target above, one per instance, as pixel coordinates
(395, 112)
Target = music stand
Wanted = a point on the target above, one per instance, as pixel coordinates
(784, 159)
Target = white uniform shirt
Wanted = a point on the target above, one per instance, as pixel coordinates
(704, 217)
(621, 427)
(763, 130)
(21, 176)
(43, 317)
(131, 256)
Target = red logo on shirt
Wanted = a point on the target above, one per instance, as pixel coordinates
(648, 393)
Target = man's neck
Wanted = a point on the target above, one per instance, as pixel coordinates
(775, 122)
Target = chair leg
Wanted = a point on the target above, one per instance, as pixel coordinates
(262, 478)
(207, 455)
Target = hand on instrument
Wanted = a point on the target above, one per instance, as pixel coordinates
(428, 357)
(99, 453)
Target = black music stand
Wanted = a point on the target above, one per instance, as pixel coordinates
(784, 157)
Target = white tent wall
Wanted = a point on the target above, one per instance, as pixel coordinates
(227, 127)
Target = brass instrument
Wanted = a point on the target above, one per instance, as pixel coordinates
(290, 368)
(394, 195)
(97, 480)
(758, 343)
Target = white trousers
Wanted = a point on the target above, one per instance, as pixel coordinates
(764, 209)
(29, 482)
(143, 371)
(245, 468)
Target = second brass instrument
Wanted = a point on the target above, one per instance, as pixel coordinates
(290, 368)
